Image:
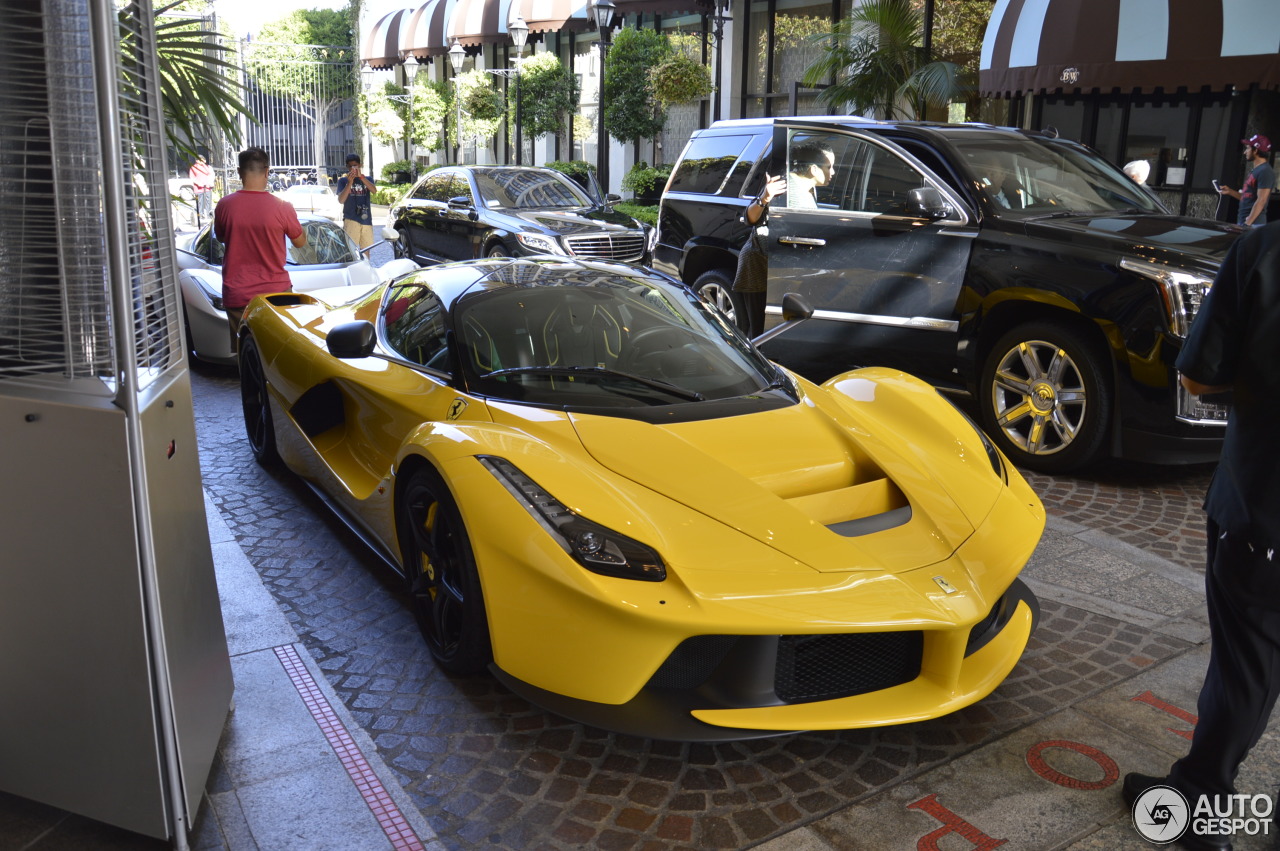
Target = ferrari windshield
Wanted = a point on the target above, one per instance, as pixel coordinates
(527, 189)
(1026, 177)
(596, 339)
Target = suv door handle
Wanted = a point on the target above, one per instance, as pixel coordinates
(801, 240)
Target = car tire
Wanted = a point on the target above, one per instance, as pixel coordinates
(256, 402)
(400, 246)
(497, 250)
(714, 286)
(440, 570)
(1046, 397)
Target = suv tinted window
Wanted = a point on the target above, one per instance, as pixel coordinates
(862, 176)
(707, 163)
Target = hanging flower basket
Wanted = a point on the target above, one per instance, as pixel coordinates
(679, 79)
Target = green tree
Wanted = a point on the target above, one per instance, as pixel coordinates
(548, 96)
(876, 57)
(306, 57)
(481, 106)
(630, 113)
(200, 91)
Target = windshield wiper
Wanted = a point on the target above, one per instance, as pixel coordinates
(688, 395)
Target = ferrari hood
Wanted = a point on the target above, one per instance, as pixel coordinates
(796, 479)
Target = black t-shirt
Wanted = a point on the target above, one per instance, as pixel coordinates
(1235, 341)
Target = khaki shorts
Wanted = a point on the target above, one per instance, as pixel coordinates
(362, 235)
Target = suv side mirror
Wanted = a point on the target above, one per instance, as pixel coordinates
(352, 340)
(612, 198)
(459, 202)
(925, 202)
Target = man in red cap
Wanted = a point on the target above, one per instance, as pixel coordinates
(1255, 193)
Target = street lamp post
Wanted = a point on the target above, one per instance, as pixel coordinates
(456, 56)
(367, 78)
(603, 11)
(722, 16)
(519, 35)
(410, 76)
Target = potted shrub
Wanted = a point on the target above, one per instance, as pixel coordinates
(645, 182)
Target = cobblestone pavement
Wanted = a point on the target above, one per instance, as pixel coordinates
(488, 770)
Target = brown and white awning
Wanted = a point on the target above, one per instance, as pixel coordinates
(554, 15)
(382, 46)
(1035, 46)
(475, 22)
(631, 7)
(428, 25)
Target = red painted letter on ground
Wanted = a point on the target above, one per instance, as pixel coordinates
(1110, 771)
(951, 823)
(1151, 700)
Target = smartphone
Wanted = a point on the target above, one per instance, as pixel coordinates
(1217, 187)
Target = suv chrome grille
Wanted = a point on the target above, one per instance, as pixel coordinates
(602, 246)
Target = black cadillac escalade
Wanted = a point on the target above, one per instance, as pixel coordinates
(1013, 266)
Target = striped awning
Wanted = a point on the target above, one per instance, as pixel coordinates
(553, 15)
(671, 7)
(382, 46)
(475, 22)
(1036, 46)
(427, 32)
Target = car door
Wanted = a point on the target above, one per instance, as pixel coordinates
(884, 278)
(463, 225)
(423, 215)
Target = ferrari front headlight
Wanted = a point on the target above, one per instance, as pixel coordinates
(993, 454)
(595, 547)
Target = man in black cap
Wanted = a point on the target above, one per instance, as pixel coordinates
(355, 191)
(1256, 192)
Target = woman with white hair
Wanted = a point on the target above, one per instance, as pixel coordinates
(1138, 171)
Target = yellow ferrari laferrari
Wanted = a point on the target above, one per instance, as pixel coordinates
(597, 489)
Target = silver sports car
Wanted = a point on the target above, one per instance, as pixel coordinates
(329, 259)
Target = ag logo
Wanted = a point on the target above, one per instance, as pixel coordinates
(1161, 814)
(456, 408)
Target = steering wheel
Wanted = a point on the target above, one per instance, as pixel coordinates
(647, 345)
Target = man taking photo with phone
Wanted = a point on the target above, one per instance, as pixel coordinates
(355, 192)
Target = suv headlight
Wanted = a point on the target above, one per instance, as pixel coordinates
(595, 547)
(1181, 291)
(539, 243)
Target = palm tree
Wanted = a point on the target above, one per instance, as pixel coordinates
(880, 66)
(199, 89)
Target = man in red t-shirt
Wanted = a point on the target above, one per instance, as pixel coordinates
(253, 225)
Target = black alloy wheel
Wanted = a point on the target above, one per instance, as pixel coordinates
(1046, 397)
(440, 569)
(497, 250)
(255, 400)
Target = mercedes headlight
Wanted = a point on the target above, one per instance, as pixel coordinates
(1181, 291)
(595, 547)
(539, 243)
